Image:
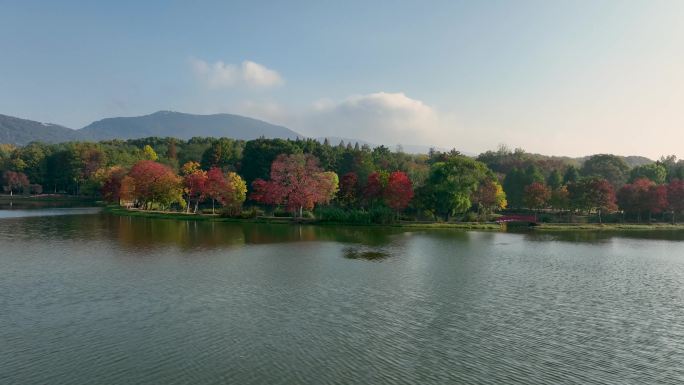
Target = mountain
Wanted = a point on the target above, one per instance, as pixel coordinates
(184, 126)
(22, 131)
(161, 124)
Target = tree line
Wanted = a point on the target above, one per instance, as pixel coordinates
(347, 182)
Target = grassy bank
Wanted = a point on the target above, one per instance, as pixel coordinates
(287, 220)
(116, 210)
(550, 227)
(607, 227)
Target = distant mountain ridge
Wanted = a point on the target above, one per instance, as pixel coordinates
(184, 126)
(162, 124)
(18, 131)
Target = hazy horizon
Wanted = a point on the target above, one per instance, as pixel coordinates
(566, 79)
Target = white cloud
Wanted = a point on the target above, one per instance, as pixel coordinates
(382, 118)
(254, 74)
(225, 75)
(265, 110)
(378, 117)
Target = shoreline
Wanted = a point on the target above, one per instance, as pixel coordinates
(48, 198)
(545, 227)
(116, 210)
(559, 227)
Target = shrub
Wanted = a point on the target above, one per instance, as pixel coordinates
(470, 216)
(339, 215)
(358, 217)
(332, 214)
(249, 213)
(382, 215)
(280, 213)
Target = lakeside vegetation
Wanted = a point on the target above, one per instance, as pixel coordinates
(607, 227)
(490, 226)
(117, 210)
(347, 183)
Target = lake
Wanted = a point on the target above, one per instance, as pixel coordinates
(91, 298)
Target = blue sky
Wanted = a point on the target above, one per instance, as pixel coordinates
(556, 77)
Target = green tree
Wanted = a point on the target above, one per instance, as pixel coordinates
(223, 153)
(452, 183)
(609, 167)
(31, 160)
(359, 162)
(555, 180)
(259, 154)
(571, 175)
(654, 172)
(515, 182)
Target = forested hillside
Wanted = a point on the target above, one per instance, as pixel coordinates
(18, 131)
(21, 132)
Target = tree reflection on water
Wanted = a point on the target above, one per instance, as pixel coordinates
(368, 255)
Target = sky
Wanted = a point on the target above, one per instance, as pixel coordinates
(553, 77)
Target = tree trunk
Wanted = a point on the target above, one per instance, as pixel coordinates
(599, 215)
(212, 206)
(301, 214)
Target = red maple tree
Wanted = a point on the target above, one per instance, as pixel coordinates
(656, 199)
(675, 197)
(216, 186)
(537, 196)
(375, 184)
(399, 191)
(296, 182)
(155, 183)
(14, 181)
(195, 185)
(111, 187)
(642, 195)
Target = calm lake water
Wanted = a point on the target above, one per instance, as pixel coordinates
(89, 298)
